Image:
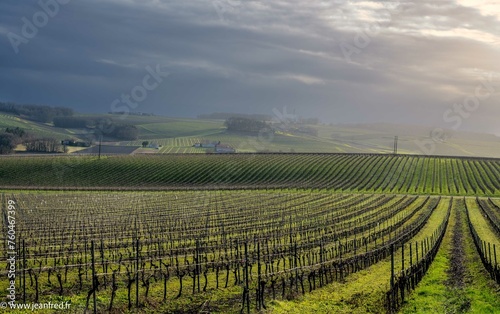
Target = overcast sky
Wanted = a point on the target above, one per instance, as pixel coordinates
(343, 61)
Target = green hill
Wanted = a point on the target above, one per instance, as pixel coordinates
(345, 172)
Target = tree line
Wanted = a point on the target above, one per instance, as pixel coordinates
(40, 113)
(63, 117)
(11, 137)
(248, 125)
(240, 124)
(227, 115)
(101, 127)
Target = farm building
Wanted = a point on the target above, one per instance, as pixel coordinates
(224, 149)
(75, 143)
(207, 144)
(217, 147)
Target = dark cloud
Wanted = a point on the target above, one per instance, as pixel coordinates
(408, 61)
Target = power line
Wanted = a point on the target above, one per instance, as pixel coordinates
(100, 141)
(395, 145)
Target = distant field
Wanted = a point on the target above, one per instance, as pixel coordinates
(40, 129)
(179, 129)
(177, 136)
(111, 150)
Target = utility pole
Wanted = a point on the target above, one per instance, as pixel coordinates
(395, 145)
(100, 141)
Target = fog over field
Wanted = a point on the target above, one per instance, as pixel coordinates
(423, 62)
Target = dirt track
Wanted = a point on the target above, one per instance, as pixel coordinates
(456, 272)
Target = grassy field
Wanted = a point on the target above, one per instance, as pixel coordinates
(436, 293)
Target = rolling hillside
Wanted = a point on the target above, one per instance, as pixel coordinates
(178, 135)
(344, 172)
